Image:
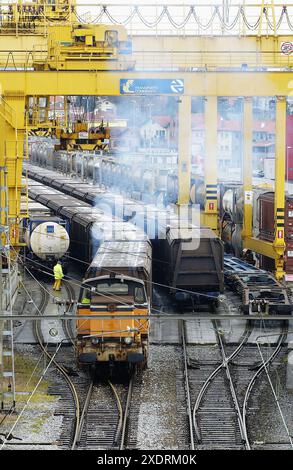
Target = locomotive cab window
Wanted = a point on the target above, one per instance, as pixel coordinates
(139, 295)
(85, 296)
(112, 287)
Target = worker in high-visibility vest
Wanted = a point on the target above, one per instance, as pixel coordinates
(58, 275)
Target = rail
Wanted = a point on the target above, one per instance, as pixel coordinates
(187, 386)
(259, 371)
(214, 374)
(61, 369)
(103, 424)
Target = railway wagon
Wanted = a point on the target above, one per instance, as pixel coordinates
(46, 235)
(259, 291)
(193, 263)
(88, 225)
(117, 281)
(267, 228)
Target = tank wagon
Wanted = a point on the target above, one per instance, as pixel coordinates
(46, 235)
(47, 238)
(118, 280)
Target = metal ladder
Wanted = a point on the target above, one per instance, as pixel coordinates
(7, 373)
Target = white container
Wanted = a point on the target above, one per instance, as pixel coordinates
(48, 239)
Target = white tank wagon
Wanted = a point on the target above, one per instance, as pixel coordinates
(47, 237)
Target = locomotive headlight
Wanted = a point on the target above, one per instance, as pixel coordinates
(128, 340)
(95, 340)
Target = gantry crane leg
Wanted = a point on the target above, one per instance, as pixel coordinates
(209, 217)
(279, 242)
(12, 110)
(184, 149)
(247, 167)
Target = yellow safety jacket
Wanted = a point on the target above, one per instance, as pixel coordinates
(58, 272)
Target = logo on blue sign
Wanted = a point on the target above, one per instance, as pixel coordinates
(151, 86)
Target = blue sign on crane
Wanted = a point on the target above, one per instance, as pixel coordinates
(151, 86)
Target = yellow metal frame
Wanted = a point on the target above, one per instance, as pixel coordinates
(44, 46)
(184, 149)
(230, 84)
(17, 86)
(275, 250)
(209, 217)
(247, 167)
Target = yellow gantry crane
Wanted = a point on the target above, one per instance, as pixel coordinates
(46, 51)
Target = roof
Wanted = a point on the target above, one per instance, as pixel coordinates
(129, 254)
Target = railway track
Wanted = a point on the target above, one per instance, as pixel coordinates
(64, 386)
(221, 390)
(104, 421)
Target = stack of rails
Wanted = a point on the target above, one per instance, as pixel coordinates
(197, 269)
(259, 290)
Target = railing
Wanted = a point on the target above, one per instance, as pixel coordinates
(165, 60)
(7, 113)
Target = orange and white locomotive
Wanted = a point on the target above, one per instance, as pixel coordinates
(117, 282)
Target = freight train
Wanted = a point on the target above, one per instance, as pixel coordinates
(94, 232)
(93, 237)
(187, 277)
(153, 182)
(168, 237)
(231, 211)
(230, 196)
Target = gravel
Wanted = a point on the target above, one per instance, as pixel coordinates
(160, 423)
(35, 420)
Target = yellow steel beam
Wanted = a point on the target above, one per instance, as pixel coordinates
(279, 242)
(108, 83)
(184, 149)
(210, 52)
(152, 51)
(247, 167)
(211, 154)
(260, 246)
(11, 155)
